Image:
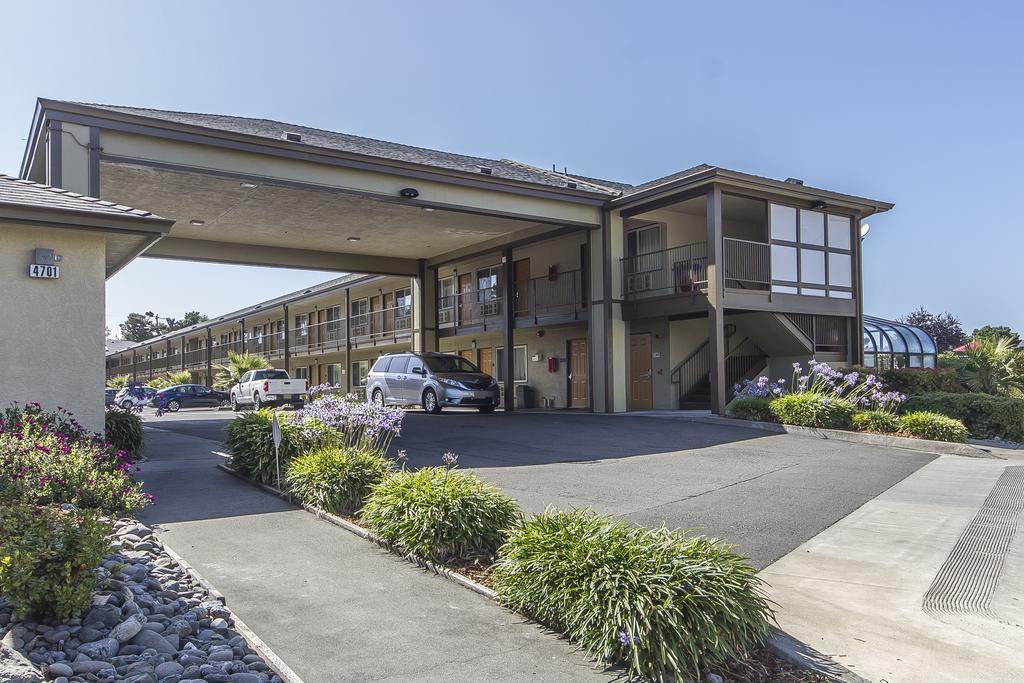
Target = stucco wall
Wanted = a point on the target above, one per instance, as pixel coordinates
(52, 339)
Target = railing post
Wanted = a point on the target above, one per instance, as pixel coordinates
(209, 356)
(348, 341)
(510, 356)
(287, 343)
(533, 300)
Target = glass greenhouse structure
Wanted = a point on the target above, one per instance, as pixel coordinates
(889, 344)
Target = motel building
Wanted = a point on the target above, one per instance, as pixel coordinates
(574, 292)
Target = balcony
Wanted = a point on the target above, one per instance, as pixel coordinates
(684, 269)
(386, 326)
(541, 300)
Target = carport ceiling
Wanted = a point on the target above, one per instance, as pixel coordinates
(279, 216)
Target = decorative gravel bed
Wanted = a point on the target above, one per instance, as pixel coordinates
(150, 622)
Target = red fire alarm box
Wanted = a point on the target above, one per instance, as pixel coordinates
(552, 364)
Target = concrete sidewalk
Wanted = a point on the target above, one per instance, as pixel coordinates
(917, 584)
(331, 605)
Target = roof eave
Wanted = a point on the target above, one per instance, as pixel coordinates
(99, 113)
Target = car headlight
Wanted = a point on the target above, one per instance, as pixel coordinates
(450, 382)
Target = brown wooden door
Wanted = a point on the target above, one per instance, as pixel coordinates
(469, 355)
(465, 298)
(521, 271)
(487, 360)
(389, 311)
(640, 387)
(375, 315)
(314, 331)
(579, 377)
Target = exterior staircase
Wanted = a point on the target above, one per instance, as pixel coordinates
(692, 377)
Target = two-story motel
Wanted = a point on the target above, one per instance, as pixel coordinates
(610, 296)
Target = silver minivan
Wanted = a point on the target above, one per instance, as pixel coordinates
(432, 380)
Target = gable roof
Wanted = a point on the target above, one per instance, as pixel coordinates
(25, 193)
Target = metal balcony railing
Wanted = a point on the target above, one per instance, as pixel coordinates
(747, 264)
(394, 322)
(684, 269)
(473, 307)
(560, 295)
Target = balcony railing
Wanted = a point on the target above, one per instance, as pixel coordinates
(475, 307)
(543, 297)
(684, 269)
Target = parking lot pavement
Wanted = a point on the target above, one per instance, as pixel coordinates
(766, 493)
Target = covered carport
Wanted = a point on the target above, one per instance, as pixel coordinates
(258, 192)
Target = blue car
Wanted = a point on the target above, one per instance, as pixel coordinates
(173, 399)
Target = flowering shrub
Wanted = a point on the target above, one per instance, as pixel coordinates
(666, 605)
(925, 425)
(810, 409)
(759, 388)
(361, 424)
(881, 421)
(49, 558)
(439, 513)
(47, 457)
(336, 479)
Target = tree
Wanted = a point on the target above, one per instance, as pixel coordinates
(137, 327)
(170, 379)
(944, 328)
(995, 332)
(227, 376)
(191, 318)
(119, 382)
(994, 366)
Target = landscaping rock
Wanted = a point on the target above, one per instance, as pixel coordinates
(61, 669)
(127, 629)
(101, 649)
(14, 668)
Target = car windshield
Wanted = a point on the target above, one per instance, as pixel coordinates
(450, 364)
(272, 374)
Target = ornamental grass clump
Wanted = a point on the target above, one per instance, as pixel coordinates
(251, 441)
(880, 421)
(123, 429)
(925, 425)
(753, 408)
(813, 410)
(49, 558)
(336, 479)
(439, 513)
(664, 604)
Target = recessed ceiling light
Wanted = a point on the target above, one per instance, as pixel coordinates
(248, 186)
(428, 208)
(354, 239)
(198, 222)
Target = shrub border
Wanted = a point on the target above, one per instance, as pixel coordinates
(966, 450)
(782, 645)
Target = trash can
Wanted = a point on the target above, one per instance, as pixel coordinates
(525, 396)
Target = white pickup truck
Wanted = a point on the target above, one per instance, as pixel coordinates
(268, 388)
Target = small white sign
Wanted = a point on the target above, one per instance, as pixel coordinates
(50, 272)
(275, 430)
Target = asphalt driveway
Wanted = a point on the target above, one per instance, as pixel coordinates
(765, 493)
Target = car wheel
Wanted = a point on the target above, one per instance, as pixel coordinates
(234, 403)
(126, 405)
(173, 405)
(486, 409)
(378, 397)
(257, 404)
(430, 403)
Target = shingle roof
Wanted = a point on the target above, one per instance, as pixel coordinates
(699, 168)
(354, 144)
(26, 193)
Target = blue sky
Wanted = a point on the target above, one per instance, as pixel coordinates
(916, 103)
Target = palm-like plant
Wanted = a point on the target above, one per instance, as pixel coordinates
(226, 376)
(119, 382)
(170, 379)
(994, 366)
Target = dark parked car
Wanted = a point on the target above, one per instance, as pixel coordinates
(109, 395)
(181, 396)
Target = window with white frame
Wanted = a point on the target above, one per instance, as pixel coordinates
(644, 257)
(488, 284)
(811, 252)
(519, 364)
(301, 326)
(359, 370)
(301, 373)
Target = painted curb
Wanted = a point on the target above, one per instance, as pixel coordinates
(903, 442)
(257, 644)
(441, 570)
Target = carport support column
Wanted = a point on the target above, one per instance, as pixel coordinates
(135, 367)
(424, 313)
(508, 313)
(241, 325)
(209, 356)
(607, 334)
(287, 339)
(716, 304)
(348, 340)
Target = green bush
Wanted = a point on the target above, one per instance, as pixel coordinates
(251, 441)
(439, 513)
(913, 381)
(124, 430)
(925, 425)
(755, 408)
(664, 604)
(984, 416)
(813, 410)
(49, 558)
(336, 479)
(881, 421)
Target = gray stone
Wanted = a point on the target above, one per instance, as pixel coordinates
(101, 649)
(712, 678)
(127, 629)
(219, 623)
(168, 669)
(141, 677)
(60, 679)
(61, 669)
(149, 639)
(182, 627)
(92, 667)
(56, 635)
(221, 656)
(108, 615)
(245, 678)
(88, 634)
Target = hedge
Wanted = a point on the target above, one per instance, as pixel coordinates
(985, 416)
(926, 425)
(914, 381)
(813, 410)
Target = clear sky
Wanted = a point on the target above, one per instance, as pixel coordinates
(921, 104)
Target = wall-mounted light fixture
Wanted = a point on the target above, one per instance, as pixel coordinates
(197, 222)
(818, 204)
(409, 192)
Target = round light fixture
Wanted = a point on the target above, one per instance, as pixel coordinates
(353, 239)
(248, 186)
(409, 192)
(428, 208)
(865, 228)
(197, 222)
